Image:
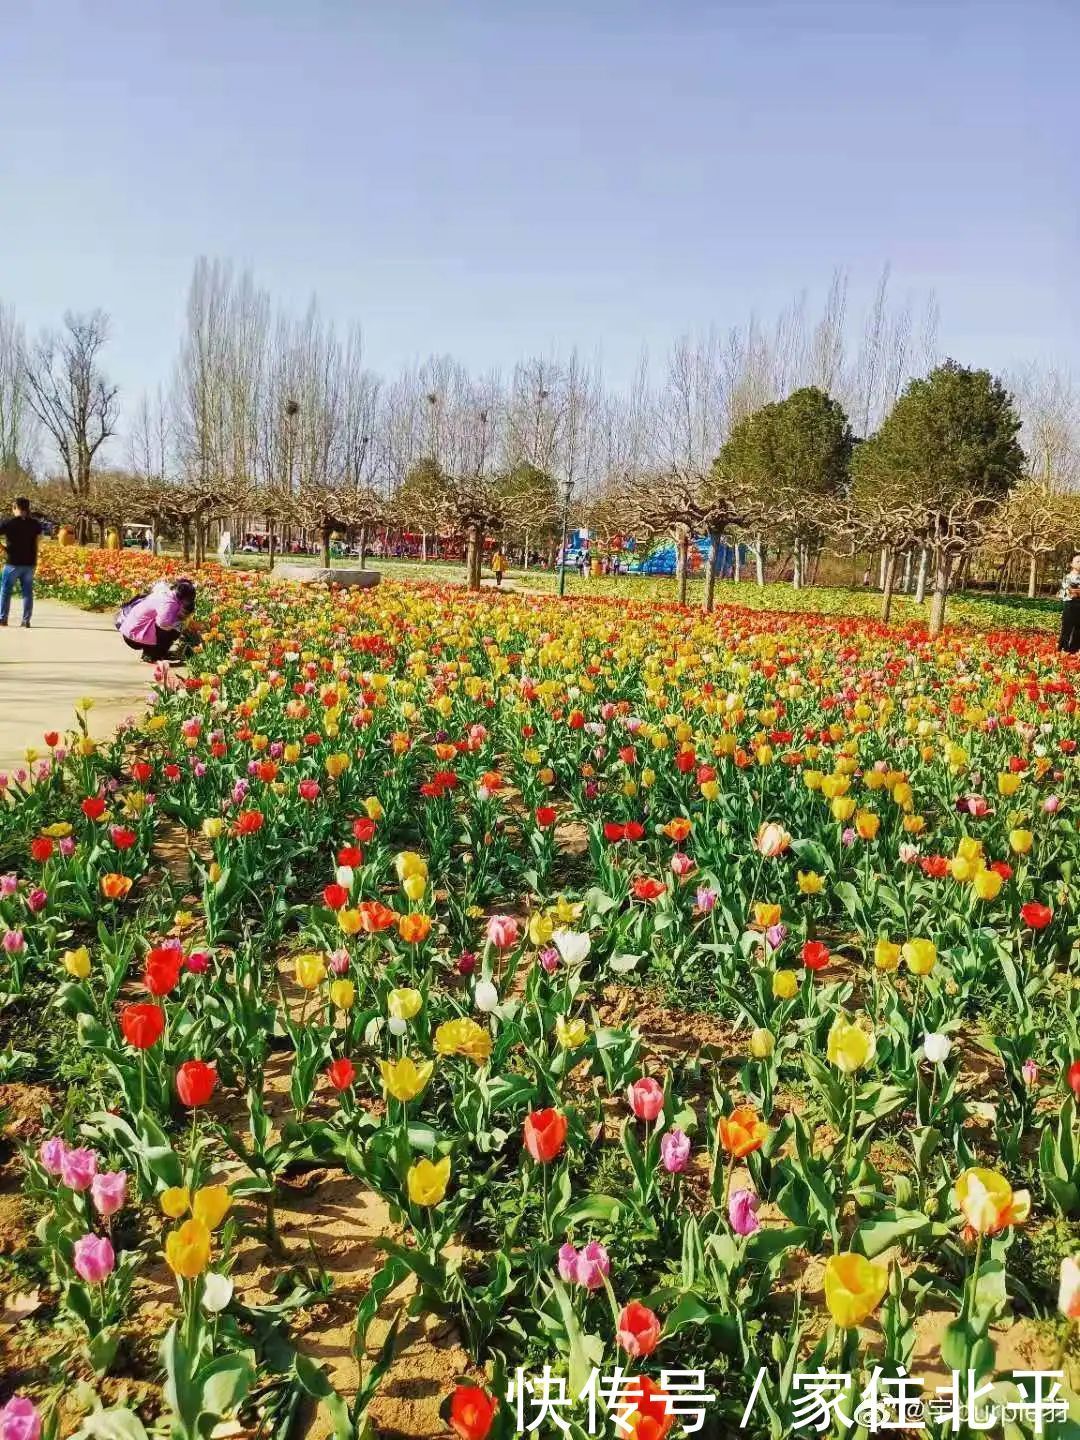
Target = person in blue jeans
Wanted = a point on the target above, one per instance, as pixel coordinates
(20, 534)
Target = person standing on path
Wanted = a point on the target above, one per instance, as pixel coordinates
(1069, 640)
(20, 534)
(498, 567)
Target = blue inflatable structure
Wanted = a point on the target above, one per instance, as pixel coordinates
(662, 560)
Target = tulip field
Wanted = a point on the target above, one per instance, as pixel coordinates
(451, 1014)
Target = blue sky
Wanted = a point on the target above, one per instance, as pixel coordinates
(495, 178)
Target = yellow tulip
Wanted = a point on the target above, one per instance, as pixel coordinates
(403, 1003)
(210, 1205)
(1020, 841)
(408, 862)
(349, 921)
(785, 985)
(336, 764)
(373, 808)
(987, 884)
(920, 956)
(762, 1043)
(766, 915)
(213, 827)
(843, 807)
(850, 1046)
(570, 1034)
(187, 1249)
(463, 1037)
(414, 886)
(427, 1182)
(1008, 783)
(813, 780)
(988, 1203)
(405, 1080)
(914, 824)
(970, 848)
(867, 825)
(77, 962)
(886, 954)
(541, 929)
(176, 1201)
(809, 882)
(310, 970)
(854, 1287)
(710, 790)
(962, 869)
(342, 994)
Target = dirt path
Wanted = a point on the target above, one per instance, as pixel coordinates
(68, 654)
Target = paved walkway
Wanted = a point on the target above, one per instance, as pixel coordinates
(68, 654)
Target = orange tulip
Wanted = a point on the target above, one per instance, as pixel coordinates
(742, 1132)
(414, 929)
(115, 887)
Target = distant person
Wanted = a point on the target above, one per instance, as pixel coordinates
(225, 548)
(498, 566)
(20, 533)
(153, 623)
(1069, 640)
(112, 540)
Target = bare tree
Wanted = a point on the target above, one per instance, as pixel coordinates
(70, 395)
(17, 419)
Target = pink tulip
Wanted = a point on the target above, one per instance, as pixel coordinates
(19, 1420)
(197, 962)
(94, 1258)
(37, 900)
(705, 900)
(549, 959)
(108, 1190)
(1052, 804)
(568, 1259)
(339, 962)
(645, 1098)
(908, 854)
(78, 1168)
(1030, 1071)
(502, 931)
(742, 1212)
(8, 885)
(68, 846)
(675, 1151)
(13, 942)
(593, 1265)
(52, 1154)
(681, 865)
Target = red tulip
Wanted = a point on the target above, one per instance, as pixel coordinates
(363, 829)
(52, 738)
(142, 1025)
(122, 837)
(141, 772)
(41, 849)
(162, 971)
(335, 896)
(613, 832)
(637, 1330)
(815, 955)
(545, 816)
(350, 855)
(1035, 915)
(341, 1074)
(633, 830)
(248, 822)
(472, 1412)
(195, 1082)
(545, 1134)
(308, 790)
(1072, 1075)
(646, 888)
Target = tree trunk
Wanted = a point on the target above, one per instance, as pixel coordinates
(736, 563)
(905, 583)
(797, 569)
(682, 564)
(423, 547)
(325, 537)
(882, 562)
(710, 574)
(363, 546)
(186, 539)
(920, 583)
(1033, 576)
(474, 555)
(887, 587)
(200, 541)
(759, 558)
(272, 545)
(154, 536)
(101, 534)
(942, 567)
(525, 566)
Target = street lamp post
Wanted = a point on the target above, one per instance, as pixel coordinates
(567, 488)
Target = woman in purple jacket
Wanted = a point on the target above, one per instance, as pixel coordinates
(152, 623)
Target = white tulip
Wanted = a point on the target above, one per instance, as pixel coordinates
(344, 876)
(396, 1026)
(572, 945)
(217, 1292)
(485, 996)
(936, 1047)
